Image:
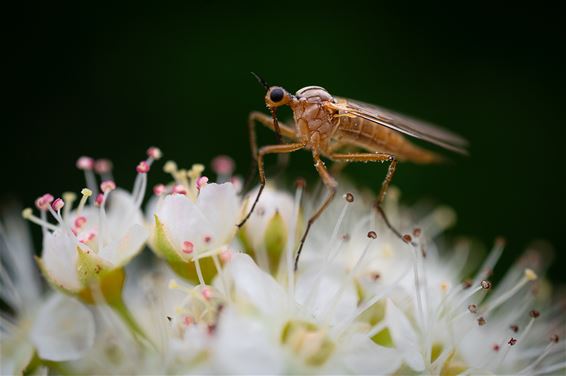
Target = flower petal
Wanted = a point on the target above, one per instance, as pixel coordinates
(63, 329)
(119, 252)
(404, 336)
(256, 286)
(323, 298)
(244, 346)
(207, 224)
(15, 355)
(359, 355)
(60, 259)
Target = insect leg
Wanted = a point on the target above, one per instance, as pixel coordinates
(330, 184)
(338, 166)
(375, 157)
(271, 149)
(266, 120)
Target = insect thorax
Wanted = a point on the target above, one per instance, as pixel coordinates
(314, 94)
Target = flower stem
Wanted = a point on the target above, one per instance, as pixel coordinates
(124, 313)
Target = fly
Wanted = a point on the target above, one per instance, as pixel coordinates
(344, 130)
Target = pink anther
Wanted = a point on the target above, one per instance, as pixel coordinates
(85, 163)
(142, 167)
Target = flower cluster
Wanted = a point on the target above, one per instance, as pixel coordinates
(215, 298)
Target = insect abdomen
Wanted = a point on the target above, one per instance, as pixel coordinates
(375, 138)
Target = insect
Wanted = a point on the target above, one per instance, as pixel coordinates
(344, 130)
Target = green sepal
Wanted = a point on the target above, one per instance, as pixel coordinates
(188, 270)
(110, 284)
(275, 239)
(383, 338)
(90, 267)
(161, 244)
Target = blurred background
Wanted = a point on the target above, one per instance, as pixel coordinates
(111, 81)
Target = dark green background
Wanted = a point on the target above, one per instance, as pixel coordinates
(110, 81)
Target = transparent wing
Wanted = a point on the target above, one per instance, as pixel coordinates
(401, 123)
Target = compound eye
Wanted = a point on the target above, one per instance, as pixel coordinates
(276, 95)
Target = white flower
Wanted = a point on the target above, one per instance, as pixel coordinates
(304, 328)
(92, 240)
(362, 301)
(200, 227)
(55, 327)
(266, 232)
(193, 221)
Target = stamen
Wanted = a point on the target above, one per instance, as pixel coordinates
(511, 342)
(416, 278)
(371, 301)
(103, 167)
(534, 314)
(199, 271)
(529, 275)
(179, 189)
(107, 186)
(473, 308)
(527, 370)
(55, 210)
(289, 252)
(99, 200)
(154, 153)
(377, 328)
(87, 164)
(550, 369)
(201, 182)
(43, 202)
(223, 166)
(238, 183)
(142, 167)
(69, 198)
(174, 285)
(223, 279)
(159, 189)
(86, 194)
(27, 214)
(335, 299)
(170, 167)
(333, 246)
(58, 204)
(225, 256)
(195, 171)
(206, 293)
(489, 263)
(141, 182)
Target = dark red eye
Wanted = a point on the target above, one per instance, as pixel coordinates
(276, 95)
